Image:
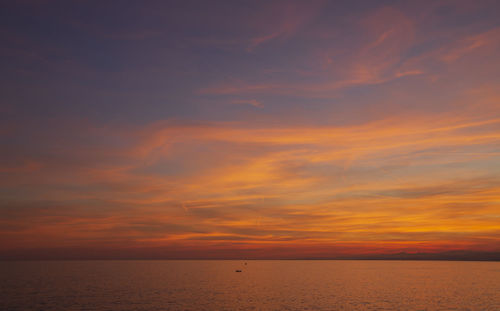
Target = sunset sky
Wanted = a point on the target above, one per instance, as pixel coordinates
(248, 129)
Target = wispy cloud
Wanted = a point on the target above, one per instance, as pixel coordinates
(282, 20)
(405, 181)
(252, 102)
(275, 128)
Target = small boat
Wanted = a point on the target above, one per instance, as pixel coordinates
(238, 271)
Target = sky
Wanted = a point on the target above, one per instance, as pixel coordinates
(249, 129)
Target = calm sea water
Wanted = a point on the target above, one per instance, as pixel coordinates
(262, 285)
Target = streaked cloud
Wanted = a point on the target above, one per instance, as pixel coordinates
(375, 182)
(251, 102)
(284, 129)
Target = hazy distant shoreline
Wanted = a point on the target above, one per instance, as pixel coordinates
(448, 256)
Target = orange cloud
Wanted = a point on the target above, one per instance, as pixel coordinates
(378, 187)
(487, 40)
(376, 133)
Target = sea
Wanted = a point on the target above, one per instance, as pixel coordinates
(261, 285)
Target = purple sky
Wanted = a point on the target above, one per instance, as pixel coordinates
(273, 128)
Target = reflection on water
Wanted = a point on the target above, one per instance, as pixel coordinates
(262, 285)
